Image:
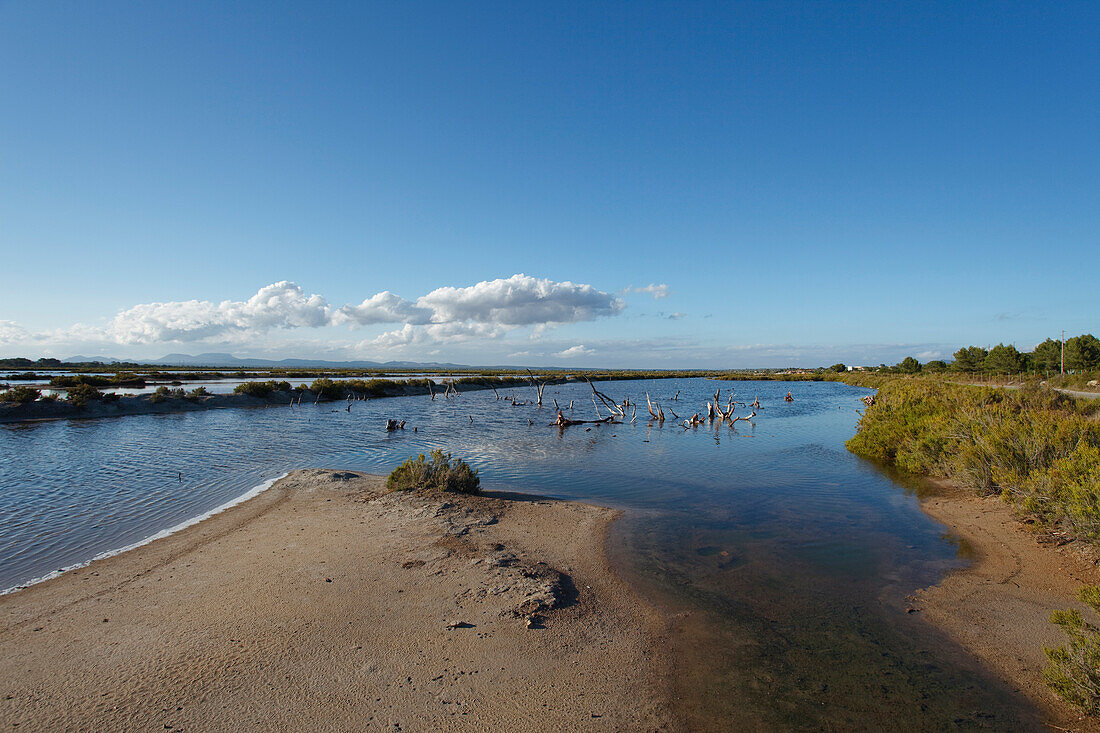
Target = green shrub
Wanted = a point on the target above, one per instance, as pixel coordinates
(371, 387)
(1038, 448)
(20, 395)
(261, 389)
(198, 392)
(1073, 671)
(439, 473)
(327, 388)
(122, 379)
(79, 394)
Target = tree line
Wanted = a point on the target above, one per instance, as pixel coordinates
(1082, 354)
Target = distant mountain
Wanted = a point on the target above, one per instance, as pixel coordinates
(80, 359)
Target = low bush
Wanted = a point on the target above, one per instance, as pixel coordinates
(20, 395)
(80, 394)
(327, 388)
(372, 387)
(1038, 448)
(198, 392)
(122, 379)
(261, 389)
(438, 473)
(1073, 671)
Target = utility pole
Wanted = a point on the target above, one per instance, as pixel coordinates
(1063, 352)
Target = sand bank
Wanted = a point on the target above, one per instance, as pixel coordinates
(999, 606)
(324, 604)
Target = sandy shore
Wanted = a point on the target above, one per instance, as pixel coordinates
(325, 604)
(999, 607)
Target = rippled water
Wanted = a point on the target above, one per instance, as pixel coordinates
(792, 556)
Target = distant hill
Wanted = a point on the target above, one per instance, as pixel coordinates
(80, 359)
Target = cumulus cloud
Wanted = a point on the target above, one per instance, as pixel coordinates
(384, 307)
(12, 332)
(486, 310)
(572, 351)
(657, 290)
(437, 333)
(279, 305)
(520, 300)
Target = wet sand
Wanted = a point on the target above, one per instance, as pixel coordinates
(999, 606)
(326, 604)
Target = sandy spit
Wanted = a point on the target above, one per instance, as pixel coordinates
(999, 606)
(326, 604)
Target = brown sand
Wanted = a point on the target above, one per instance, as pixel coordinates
(999, 607)
(324, 604)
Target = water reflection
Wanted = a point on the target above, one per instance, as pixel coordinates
(792, 556)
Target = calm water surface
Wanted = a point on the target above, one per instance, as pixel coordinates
(786, 559)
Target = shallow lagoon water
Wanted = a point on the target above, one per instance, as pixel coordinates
(786, 558)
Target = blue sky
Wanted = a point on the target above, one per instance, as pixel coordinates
(805, 182)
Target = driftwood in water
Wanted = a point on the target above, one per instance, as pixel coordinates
(451, 388)
(609, 403)
(563, 422)
(676, 397)
(539, 387)
(659, 414)
(430, 390)
(750, 416)
(392, 425)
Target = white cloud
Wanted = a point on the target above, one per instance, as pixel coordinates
(12, 332)
(279, 305)
(437, 333)
(520, 300)
(657, 290)
(384, 307)
(448, 315)
(490, 309)
(572, 351)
